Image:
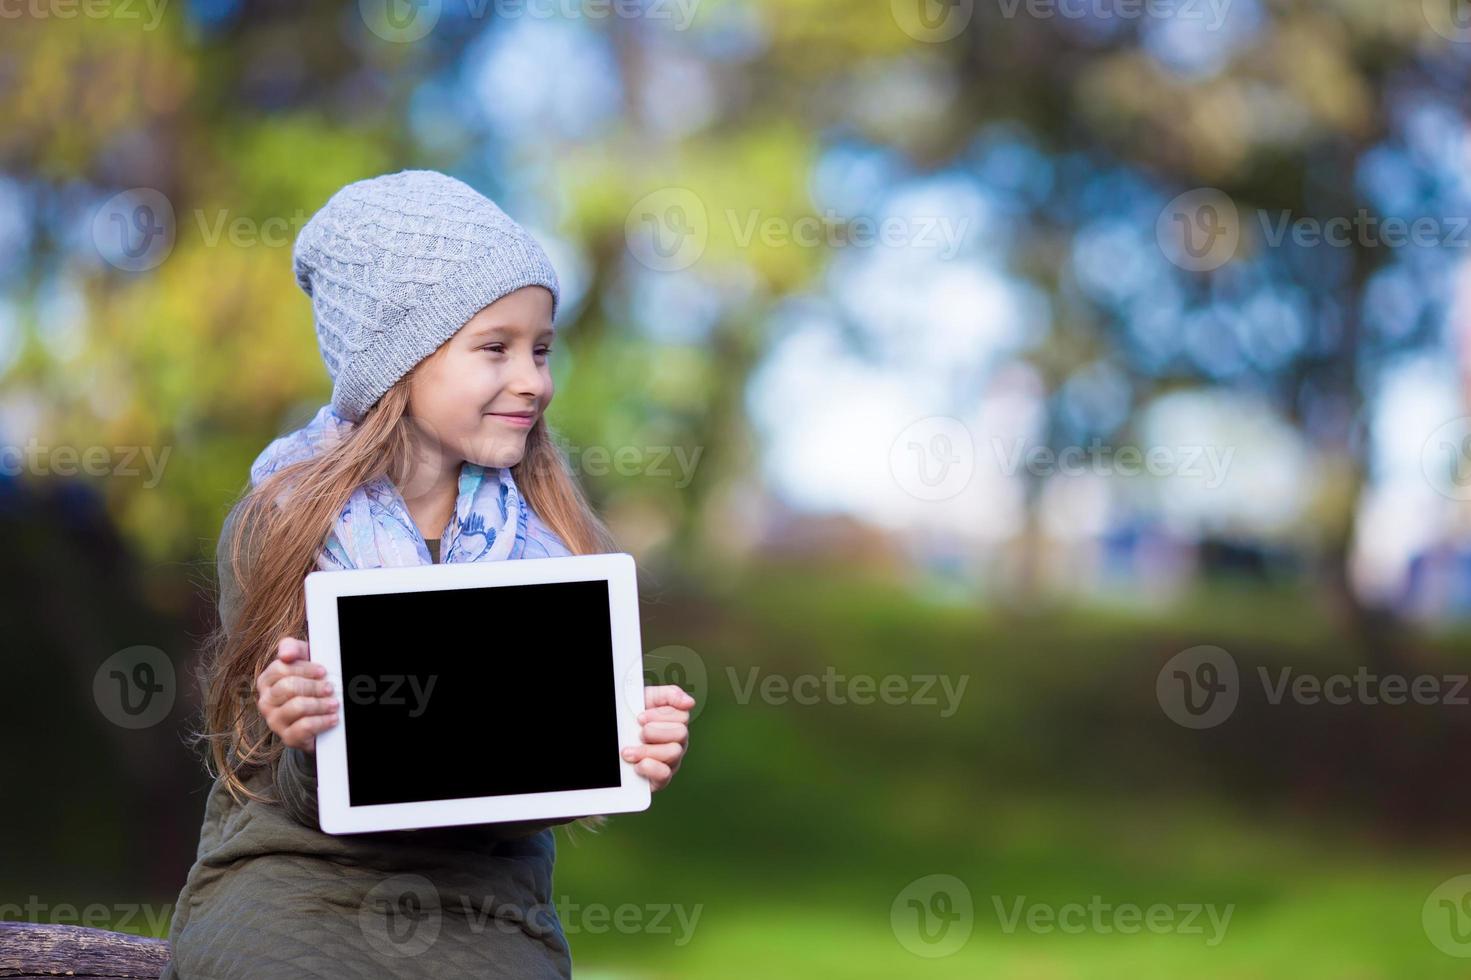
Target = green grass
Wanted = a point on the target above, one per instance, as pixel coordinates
(793, 828)
(1301, 905)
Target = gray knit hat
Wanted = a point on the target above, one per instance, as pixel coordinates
(395, 265)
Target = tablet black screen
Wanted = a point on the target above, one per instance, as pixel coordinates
(478, 692)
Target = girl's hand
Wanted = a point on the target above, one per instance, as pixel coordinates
(666, 734)
(294, 697)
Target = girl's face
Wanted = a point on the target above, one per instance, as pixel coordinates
(477, 396)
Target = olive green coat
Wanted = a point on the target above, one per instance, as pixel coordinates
(270, 895)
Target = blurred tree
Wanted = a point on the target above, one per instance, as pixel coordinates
(254, 112)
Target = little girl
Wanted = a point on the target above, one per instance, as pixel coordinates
(434, 313)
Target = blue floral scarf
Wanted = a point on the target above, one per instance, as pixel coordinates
(374, 530)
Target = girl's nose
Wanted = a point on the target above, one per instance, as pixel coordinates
(527, 380)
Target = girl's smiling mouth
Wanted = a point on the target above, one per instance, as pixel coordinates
(522, 419)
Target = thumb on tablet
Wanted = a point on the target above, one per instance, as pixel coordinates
(291, 650)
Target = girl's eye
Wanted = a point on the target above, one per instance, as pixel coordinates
(501, 349)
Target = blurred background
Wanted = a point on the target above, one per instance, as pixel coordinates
(1042, 426)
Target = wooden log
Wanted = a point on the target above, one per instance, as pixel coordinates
(31, 950)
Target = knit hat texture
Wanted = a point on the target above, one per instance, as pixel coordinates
(395, 265)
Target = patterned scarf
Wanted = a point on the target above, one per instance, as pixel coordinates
(374, 530)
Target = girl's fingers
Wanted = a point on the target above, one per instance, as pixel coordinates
(302, 707)
(275, 670)
(663, 714)
(295, 686)
(665, 731)
(656, 772)
(668, 753)
(294, 697)
(302, 734)
(668, 694)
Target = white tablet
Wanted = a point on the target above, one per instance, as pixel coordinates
(478, 692)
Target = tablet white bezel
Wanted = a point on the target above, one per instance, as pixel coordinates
(322, 591)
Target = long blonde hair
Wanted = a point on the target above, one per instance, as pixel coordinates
(273, 544)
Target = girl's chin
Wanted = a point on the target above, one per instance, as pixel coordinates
(499, 456)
